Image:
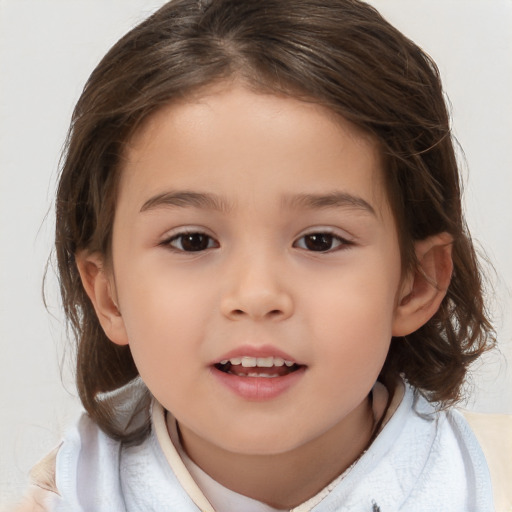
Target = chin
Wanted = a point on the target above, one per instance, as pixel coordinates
(261, 443)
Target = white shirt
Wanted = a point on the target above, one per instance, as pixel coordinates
(421, 461)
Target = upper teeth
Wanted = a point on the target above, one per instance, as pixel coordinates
(263, 362)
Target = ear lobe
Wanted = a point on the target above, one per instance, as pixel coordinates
(424, 290)
(100, 289)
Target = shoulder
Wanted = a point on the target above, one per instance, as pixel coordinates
(87, 469)
(451, 468)
(86, 459)
(92, 471)
(423, 459)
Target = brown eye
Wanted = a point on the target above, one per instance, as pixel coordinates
(321, 242)
(318, 242)
(192, 242)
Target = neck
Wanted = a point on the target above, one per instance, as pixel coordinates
(285, 480)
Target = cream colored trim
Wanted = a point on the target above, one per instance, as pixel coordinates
(396, 400)
(494, 433)
(193, 490)
(42, 487)
(174, 460)
(43, 473)
(380, 401)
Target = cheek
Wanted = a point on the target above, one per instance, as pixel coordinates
(354, 319)
(357, 298)
(162, 319)
(355, 333)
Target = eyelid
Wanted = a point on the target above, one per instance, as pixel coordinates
(329, 230)
(345, 239)
(175, 233)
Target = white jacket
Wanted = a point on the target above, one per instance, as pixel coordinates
(422, 460)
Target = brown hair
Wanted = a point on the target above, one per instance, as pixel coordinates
(341, 54)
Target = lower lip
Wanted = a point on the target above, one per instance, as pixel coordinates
(259, 389)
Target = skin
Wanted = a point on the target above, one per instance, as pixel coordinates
(270, 162)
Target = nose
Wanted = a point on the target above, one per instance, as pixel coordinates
(256, 290)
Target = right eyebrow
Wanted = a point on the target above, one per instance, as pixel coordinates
(186, 199)
(335, 199)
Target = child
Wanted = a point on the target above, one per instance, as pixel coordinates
(264, 260)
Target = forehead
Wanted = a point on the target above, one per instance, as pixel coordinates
(228, 132)
(228, 101)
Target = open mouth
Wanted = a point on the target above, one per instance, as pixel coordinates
(265, 367)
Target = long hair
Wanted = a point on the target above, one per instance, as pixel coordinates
(341, 54)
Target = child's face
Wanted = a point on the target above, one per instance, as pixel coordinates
(256, 226)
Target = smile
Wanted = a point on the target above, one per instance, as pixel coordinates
(258, 377)
(265, 367)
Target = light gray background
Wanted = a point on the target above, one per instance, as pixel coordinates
(47, 50)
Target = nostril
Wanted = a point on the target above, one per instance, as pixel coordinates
(269, 314)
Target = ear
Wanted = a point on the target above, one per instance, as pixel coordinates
(99, 286)
(424, 289)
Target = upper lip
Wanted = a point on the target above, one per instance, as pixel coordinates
(256, 351)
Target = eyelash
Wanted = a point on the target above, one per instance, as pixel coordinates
(342, 243)
(168, 242)
(325, 237)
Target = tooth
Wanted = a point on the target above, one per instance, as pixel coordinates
(265, 362)
(256, 374)
(248, 362)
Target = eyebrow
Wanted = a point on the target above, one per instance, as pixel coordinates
(330, 200)
(186, 199)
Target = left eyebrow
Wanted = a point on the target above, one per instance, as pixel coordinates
(186, 199)
(330, 200)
